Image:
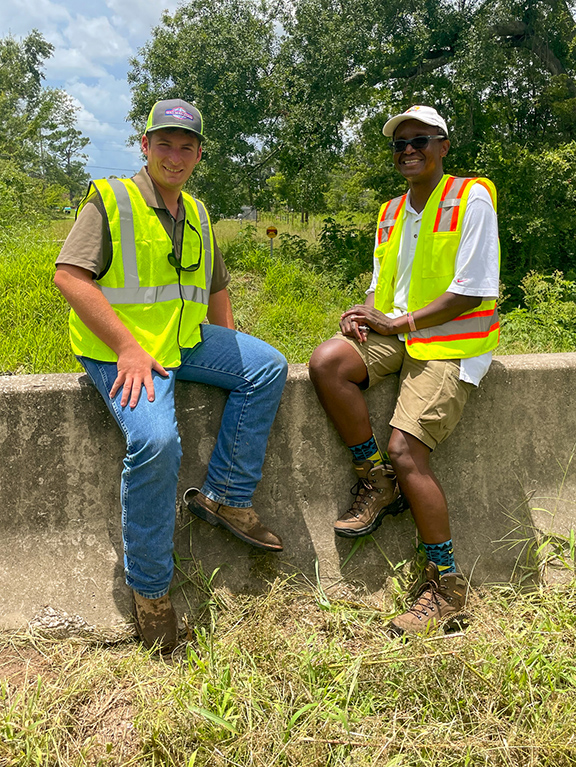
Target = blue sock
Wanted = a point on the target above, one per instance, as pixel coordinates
(442, 554)
(368, 451)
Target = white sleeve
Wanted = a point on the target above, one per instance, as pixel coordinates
(477, 262)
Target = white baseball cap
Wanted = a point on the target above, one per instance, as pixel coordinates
(426, 115)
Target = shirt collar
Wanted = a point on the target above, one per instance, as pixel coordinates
(151, 194)
(409, 208)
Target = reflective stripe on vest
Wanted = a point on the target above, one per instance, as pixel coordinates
(389, 217)
(132, 293)
(475, 324)
(473, 332)
(449, 206)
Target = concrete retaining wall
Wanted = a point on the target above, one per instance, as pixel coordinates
(60, 456)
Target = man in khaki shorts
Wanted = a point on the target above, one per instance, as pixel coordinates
(430, 314)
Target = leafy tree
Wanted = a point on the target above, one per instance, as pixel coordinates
(295, 95)
(504, 74)
(255, 71)
(219, 53)
(62, 160)
(39, 138)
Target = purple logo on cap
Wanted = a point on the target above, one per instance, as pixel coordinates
(180, 113)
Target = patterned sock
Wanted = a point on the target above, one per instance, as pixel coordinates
(442, 554)
(369, 451)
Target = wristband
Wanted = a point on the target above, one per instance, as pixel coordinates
(411, 323)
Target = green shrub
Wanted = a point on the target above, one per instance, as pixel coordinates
(536, 198)
(285, 299)
(548, 321)
(346, 249)
(296, 248)
(343, 251)
(23, 199)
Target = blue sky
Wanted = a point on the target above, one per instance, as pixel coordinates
(93, 42)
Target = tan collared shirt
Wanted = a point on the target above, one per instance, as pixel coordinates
(88, 245)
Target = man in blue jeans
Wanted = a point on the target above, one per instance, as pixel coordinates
(141, 270)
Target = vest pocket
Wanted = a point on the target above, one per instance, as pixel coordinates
(439, 254)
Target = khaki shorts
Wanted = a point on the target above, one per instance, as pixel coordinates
(431, 396)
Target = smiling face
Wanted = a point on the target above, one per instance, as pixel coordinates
(421, 166)
(172, 156)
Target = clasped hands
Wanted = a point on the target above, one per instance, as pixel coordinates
(358, 320)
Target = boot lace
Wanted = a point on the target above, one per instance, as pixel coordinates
(427, 601)
(361, 491)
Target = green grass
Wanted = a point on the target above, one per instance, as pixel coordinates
(281, 301)
(33, 314)
(281, 298)
(288, 305)
(226, 229)
(299, 678)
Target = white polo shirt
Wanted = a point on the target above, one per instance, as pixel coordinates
(477, 265)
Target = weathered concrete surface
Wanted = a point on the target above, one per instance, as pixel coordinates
(60, 457)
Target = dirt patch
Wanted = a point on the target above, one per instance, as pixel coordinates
(108, 722)
(21, 665)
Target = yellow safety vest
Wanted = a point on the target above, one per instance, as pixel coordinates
(473, 332)
(162, 308)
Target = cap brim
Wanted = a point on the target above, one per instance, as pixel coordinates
(176, 125)
(394, 122)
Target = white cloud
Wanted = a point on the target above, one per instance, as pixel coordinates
(139, 16)
(102, 108)
(97, 38)
(19, 17)
(109, 97)
(84, 45)
(72, 62)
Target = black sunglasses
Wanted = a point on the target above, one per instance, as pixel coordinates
(418, 142)
(173, 261)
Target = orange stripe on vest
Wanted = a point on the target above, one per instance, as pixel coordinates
(382, 217)
(444, 193)
(455, 336)
(485, 313)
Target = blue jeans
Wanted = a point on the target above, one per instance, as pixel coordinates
(254, 373)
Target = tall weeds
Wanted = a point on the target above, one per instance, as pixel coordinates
(292, 299)
(33, 314)
(284, 678)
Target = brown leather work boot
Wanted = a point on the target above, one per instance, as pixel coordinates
(156, 622)
(440, 599)
(243, 523)
(377, 494)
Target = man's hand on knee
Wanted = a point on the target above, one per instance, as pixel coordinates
(135, 368)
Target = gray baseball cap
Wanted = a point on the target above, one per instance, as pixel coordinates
(175, 113)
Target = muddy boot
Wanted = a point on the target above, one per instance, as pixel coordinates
(156, 622)
(243, 523)
(440, 600)
(377, 494)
